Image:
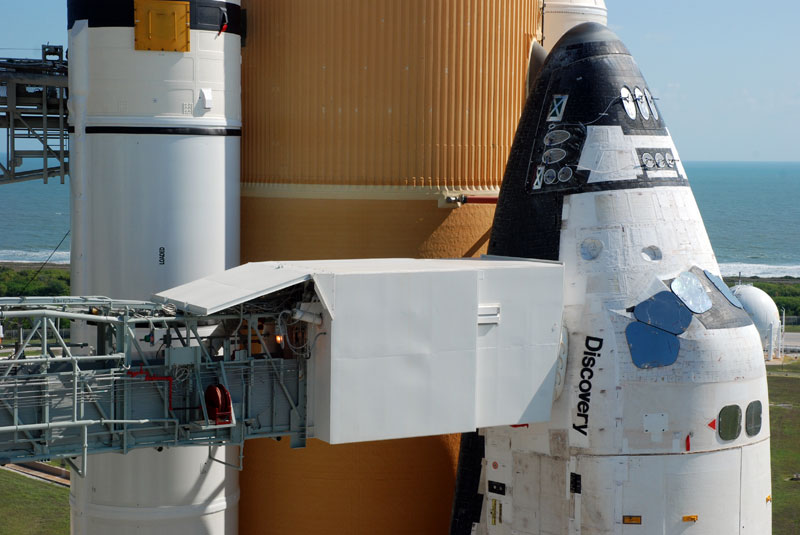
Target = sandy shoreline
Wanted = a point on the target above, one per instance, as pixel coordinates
(19, 266)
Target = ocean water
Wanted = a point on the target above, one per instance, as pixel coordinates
(34, 217)
(751, 212)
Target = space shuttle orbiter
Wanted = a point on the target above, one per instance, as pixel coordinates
(660, 423)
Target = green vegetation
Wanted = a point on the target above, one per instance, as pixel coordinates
(30, 507)
(784, 414)
(791, 367)
(27, 506)
(785, 292)
(25, 282)
(16, 282)
(786, 295)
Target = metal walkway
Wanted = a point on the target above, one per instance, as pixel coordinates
(33, 110)
(152, 378)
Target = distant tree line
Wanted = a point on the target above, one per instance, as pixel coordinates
(29, 283)
(26, 282)
(785, 295)
(785, 292)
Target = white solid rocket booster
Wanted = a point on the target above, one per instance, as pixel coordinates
(155, 120)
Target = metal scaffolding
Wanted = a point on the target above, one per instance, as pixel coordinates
(33, 112)
(151, 377)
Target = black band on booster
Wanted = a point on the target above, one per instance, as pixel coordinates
(204, 14)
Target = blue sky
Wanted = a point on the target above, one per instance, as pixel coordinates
(725, 73)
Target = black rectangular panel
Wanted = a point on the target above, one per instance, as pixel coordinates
(497, 488)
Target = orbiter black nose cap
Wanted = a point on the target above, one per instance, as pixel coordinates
(590, 125)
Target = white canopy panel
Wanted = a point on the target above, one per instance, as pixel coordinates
(414, 347)
(232, 287)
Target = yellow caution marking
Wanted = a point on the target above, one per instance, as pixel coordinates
(690, 518)
(632, 519)
(494, 512)
(161, 25)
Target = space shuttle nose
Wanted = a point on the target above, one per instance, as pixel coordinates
(658, 347)
(590, 124)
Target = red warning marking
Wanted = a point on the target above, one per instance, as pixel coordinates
(519, 425)
(495, 465)
(713, 424)
(688, 442)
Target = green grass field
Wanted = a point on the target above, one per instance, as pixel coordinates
(785, 445)
(30, 507)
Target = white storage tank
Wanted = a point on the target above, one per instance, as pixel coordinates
(155, 122)
(764, 313)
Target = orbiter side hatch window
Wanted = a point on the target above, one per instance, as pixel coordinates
(752, 419)
(730, 422)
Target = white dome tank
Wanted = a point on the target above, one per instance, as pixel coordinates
(764, 312)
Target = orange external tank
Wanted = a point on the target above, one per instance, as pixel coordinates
(360, 118)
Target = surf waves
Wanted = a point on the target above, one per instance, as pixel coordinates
(758, 270)
(12, 255)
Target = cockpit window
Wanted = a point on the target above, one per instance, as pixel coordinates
(644, 108)
(723, 288)
(651, 103)
(627, 102)
(651, 347)
(691, 291)
(665, 311)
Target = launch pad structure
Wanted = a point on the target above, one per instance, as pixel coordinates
(133, 394)
(33, 109)
(344, 351)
